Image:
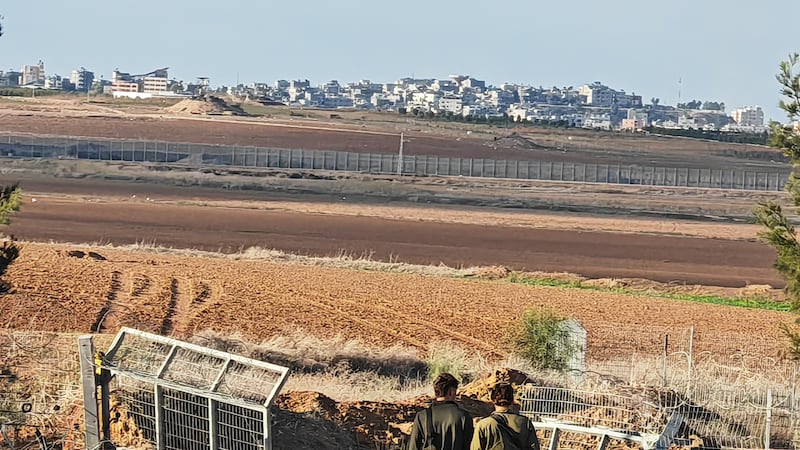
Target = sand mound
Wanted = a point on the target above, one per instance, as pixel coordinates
(208, 105)
(479, 389)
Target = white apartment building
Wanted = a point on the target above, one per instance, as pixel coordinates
(597, 94)
(32, 74)
(82, 79)
(427, 100)
(154, 85)
(54, 82)
(451, 103)
(519, 113)
(597, 121)
(748, 116)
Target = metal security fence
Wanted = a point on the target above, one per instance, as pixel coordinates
(730, 391)
(173, 395)
(64, 147)
(40, 390)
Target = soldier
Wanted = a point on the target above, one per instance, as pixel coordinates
(443, 425)
(505, 429)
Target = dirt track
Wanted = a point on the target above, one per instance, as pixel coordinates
(122, 219)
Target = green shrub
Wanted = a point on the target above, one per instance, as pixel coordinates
(448, 357)
(540, 336)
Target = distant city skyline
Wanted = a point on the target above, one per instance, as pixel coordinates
(717, 50)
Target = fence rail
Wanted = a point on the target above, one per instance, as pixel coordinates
(44, 146)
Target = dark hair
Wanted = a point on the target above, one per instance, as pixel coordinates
(443, 383)
(502, 394)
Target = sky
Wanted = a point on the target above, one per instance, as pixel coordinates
(716, 50)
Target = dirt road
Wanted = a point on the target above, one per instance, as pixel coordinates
(84, 214)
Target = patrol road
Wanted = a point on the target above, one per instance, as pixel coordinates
(86, 211)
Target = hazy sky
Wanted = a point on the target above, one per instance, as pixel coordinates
(721, 50)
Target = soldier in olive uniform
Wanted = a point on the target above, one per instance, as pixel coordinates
(444, 425)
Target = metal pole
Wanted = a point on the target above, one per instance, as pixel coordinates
(90, 411)
(400, 157)
(213, 425)
(768, 420)
(690, 360)
(158, 403)
(666, 345)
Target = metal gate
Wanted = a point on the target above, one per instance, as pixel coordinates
(168, 394)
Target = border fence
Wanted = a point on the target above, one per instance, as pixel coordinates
(723, 391)
(67, 147)
(730, 391)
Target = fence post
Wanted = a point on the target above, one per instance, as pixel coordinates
(666, 347)
(768, 420)
(86, 353)
(690, 361)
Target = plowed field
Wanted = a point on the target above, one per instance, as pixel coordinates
(179, 295)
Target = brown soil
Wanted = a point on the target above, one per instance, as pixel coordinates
(204, 106)
(74, 288)
(59, 292)
(412, 239)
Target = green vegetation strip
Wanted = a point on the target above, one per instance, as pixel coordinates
(744, 302)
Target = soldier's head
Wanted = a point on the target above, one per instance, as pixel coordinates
(445, 386)
(502, 394)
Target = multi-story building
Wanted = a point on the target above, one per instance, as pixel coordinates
(636, 120)
(124, 86)
(598, 94)
(10, 78)
(445, 86)
(57, 83)
(749, 116)
(331, 88)
(499, 98)
(451, 103)
(82, 79)
(154, 85)
(472, 83)
(299, 84)
(424, 100)
(33, 74)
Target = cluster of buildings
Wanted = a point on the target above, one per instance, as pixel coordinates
(593, 105)
(34, 77)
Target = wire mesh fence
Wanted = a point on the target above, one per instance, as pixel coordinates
(384, 161)
(40, 391)
(177, 395)
(731, 391)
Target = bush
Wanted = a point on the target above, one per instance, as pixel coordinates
(450, 358)
(540, 336)
(10, 201)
